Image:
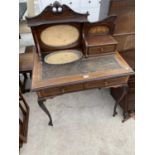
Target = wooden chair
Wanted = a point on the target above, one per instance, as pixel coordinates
(23, 119)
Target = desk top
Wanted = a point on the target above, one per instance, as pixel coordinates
(84, 66)
(86, 69)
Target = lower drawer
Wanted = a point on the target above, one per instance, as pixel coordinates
(60, 90)
(72, 88)
(50, 92)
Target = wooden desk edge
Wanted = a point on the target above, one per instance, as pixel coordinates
(37, 84)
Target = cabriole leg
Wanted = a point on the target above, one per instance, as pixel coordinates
(125, 113)
(43, 107)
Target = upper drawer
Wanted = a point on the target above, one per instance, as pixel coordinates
(102, 49)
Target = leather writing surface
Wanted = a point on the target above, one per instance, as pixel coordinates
(83, 66)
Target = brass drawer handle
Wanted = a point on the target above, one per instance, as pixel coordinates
(106, 83)
(102, 50)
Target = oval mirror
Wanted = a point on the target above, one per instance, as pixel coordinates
(59, 35)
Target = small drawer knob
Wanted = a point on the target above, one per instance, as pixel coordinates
(63, 90)
(105, 82)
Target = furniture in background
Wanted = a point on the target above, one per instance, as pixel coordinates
(125, 35)
(25, 68)
(23, 119)
(100, 66)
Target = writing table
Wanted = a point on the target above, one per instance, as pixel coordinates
(59, 29)
(104, 72)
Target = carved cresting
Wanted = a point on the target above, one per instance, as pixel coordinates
(56, 7)
(51, 15)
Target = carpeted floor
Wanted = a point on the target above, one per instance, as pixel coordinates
(83, 125)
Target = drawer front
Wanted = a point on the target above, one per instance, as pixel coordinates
(60, 90)
(102, 49)
(106, 83)
(50, 92)
(72, 88)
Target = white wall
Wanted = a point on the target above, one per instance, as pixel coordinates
(82, 6)
(104, 8)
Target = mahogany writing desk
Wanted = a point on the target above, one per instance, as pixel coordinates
(107, 71)
(100, 66)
